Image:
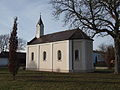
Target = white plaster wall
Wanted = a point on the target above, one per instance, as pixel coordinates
(85, 62)
(3, 61)
(78, 65)
(51, 63)
(89, 55)
(63, 64)
(39, 30)
(45, 65)
(31, 65)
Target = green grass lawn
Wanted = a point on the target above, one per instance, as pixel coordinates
(33, 80)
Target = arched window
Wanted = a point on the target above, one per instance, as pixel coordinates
(76, 54)
(59, 55)
(32, 56)
(44, 55)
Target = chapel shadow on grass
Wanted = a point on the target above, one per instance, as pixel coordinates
(51, 77)
(36, 75)
(73, 81)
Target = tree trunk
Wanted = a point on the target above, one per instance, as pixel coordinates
(13, 76)
(117, 56)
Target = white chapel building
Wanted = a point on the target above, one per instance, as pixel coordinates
(65, 51)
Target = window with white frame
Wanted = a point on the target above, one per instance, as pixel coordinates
(59, 55)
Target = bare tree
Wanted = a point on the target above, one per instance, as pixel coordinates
(4, 43)
(4, 40)
(21, 44)
(103, 47)
(108, 55)
(101, 17)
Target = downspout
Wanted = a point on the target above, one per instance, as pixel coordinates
(72, 56)
(38, 58)
(52, 57)
(27, 57)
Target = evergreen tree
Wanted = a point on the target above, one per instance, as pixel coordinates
(13, 45)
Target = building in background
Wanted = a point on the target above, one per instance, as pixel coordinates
(99, 58)
(4, 56)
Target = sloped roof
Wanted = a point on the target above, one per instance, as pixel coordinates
(60, 36)
(21, 56)
(98, 52)
(6, 54)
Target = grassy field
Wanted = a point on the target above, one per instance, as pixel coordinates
(31, 80)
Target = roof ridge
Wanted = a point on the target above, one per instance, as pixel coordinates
(72, 34)
(59, 32)
(82, 34)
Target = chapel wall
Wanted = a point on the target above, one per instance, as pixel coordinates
(51, 62)
(31, 60)
(89, 55)
(84, 63)
(45, 62)
(61, 65)
(78, 63)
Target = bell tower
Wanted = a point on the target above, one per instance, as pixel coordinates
(39, 28)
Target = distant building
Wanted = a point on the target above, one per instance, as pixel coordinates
(5, 55)
(65, 51)
(98, 56)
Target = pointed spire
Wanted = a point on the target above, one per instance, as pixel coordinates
(39, 28)
(40, 20)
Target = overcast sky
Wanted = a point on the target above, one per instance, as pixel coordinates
(28, 13)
